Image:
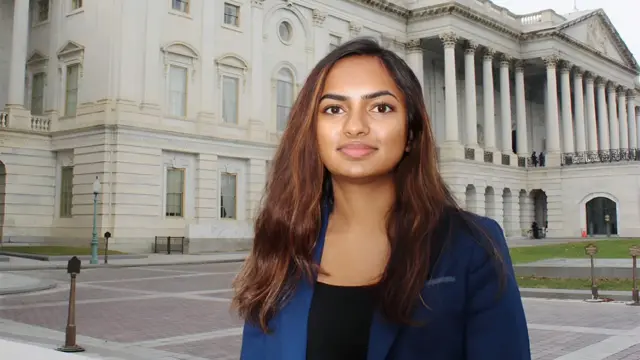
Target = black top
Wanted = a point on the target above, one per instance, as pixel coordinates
(339, 322)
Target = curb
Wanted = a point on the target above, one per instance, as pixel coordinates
(67, 257)
(40, 285)
(567, 294)
(113, 266)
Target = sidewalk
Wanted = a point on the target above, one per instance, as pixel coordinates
(22, 264)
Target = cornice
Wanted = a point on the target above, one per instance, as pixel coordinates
(453, 8)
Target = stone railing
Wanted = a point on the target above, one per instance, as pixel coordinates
(39, 123)
(600, 157)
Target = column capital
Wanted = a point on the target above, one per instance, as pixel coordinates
(470, 47)
(611, 87)
(578, 71)
(449, 39)
(565, 66)
(589, 77)
(519, 65)
(355, 28)
(551, 61)
(488, 54)
(622, 92)
(319, 17)
(631, 96)
(414, 45)
(257, 4)
(505, 60)
(601, 82)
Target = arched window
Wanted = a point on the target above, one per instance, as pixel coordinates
(284, 97)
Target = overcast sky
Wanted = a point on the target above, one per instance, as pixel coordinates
(623, 14)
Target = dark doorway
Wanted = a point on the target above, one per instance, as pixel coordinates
(514, 142)
(597, 209)
(3, 190)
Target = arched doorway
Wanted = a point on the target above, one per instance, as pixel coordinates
(539, 200)
(597, 210)
(3, 187)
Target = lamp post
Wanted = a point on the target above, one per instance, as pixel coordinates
(94, 238)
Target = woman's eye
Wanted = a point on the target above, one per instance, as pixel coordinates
(383, 108)
(333, 110)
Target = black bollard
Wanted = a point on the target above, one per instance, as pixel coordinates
(73, 269)
(107, 235)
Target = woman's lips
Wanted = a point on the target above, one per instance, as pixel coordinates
(357, 150)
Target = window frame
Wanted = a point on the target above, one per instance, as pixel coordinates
(186, 91)
(183, 55)
(187, 6)
(222, 96)
(231, 65)
(182, 214)
(71, 54)
(36, 12)
(235, 196)
(238, 15)
(62, 205)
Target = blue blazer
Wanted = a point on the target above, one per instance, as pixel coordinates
(470, 317)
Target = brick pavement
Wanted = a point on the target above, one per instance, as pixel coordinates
(182, 312)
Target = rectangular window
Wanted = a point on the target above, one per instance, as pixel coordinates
(66, 191)
(177, 91)
(175, 193)
(230, 92)
(71, 96)
(76, 4)
(228, 186)
(41, 11)
(334, 42)
(37, 94)
(180, 5)
(284, 95)
(231, 14)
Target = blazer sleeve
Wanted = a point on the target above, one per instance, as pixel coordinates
(496, 327)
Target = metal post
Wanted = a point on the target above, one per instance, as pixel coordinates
(107, 235)
(607, 221)
(634, 251)
(94, 238)
(591, 250)
(70, 345)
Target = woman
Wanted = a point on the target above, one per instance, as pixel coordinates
(360, 251)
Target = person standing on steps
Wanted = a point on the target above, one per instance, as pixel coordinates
(360, 250)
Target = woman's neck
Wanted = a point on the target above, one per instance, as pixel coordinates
(358, 204)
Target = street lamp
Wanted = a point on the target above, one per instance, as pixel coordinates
(94, 238)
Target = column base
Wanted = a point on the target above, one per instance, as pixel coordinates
(553, 159)
(19, 117)
(452, 150)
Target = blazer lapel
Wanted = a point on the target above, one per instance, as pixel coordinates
(293, 318)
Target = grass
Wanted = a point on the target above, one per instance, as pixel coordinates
(607, 249)
(574, 284)
(54, 250)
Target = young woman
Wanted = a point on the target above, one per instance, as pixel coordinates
(360, 251)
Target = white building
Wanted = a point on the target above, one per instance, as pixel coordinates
(176, 106)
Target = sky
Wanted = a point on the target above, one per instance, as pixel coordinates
(622, 13)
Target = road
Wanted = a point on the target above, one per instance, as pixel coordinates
(182, 312)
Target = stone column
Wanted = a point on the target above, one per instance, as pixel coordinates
(450, 88)
(614, 127)
(257, 124)
(489, 104)
(208, 105)
(567, 117)
(603, 116)
(638, 127)
(622, 118)
(631, 118)
(521, 111)
(505, 105)
(320, 35)
(415, 60)
(18, 59)
(592, 130)
(470, 95)
(206, 180)
(578, 109)
(552, 126)
(152, 90)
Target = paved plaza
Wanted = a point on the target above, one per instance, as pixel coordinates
(182, 312)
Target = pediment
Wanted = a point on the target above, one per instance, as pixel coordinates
(37, 57)
(232, 60)
(71, 47)
(596, 31)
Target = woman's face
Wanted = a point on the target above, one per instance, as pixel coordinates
(362, 120)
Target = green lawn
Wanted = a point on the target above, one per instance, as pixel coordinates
(607, 249)
(576, 284)
(54, 250)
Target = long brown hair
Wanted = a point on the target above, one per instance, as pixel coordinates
(287, 227)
